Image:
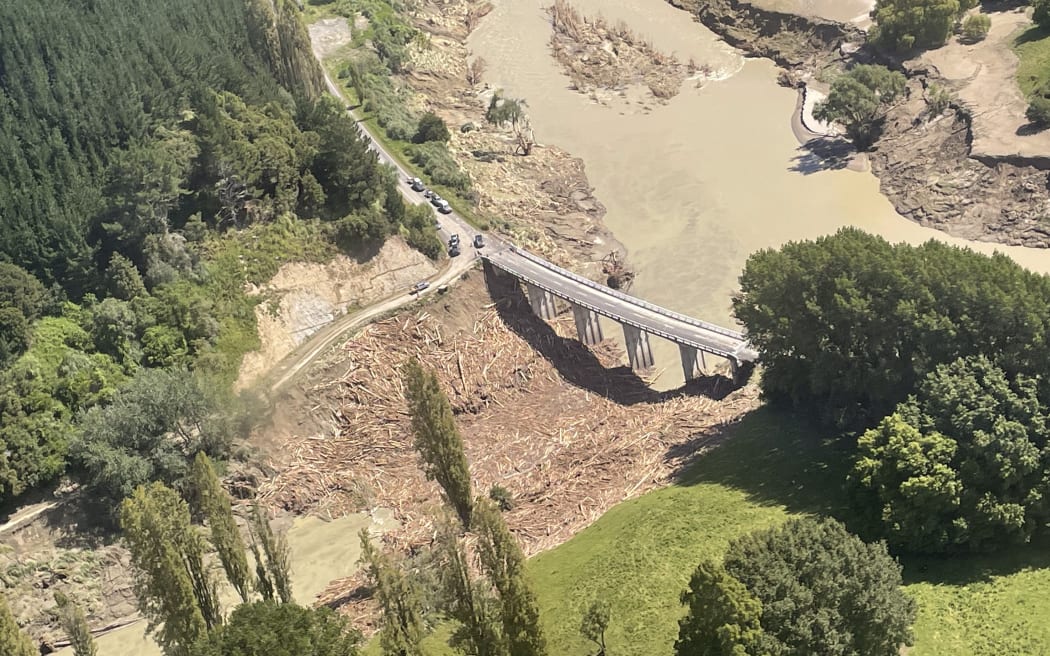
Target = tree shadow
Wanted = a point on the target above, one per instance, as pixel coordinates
(575, 362)
(1034, 33)
(966, 569)
(778, 459)
(363, 252)
(1028, 129)
(823, 154)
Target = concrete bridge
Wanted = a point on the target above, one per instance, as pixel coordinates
(545, 282)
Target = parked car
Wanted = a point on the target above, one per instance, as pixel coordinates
(419, 286)
(479, 241)
(416, 184)
(436, 200)
(453, 250)
(428, 194)
(444, 207)
(453, 240)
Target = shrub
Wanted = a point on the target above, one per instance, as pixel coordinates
(502, 496)
(431, 128)
(437, 163)
(1038, 111)
(976, 27)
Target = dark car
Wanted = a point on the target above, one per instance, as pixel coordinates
(453, 251)
(479, 241)
(428, 194)
(416, 184)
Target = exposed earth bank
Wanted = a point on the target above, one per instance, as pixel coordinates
(925, 163)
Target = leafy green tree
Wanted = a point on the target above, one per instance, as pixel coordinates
(822, 590)
(418, 226)
(12, 640)
(273, 629)
(399, 599)
(431, 128)
(73, 621)
(149, 432)
(14, 334)
(274, 577)
(503, 562)
(595, 623)
(848, 325)
(963, 464)
(858, 100)
(437, 438)
(467, 601)
(901, 25)
(21, 290)
(173, 586)
(723, 618)
(122, 278)
(1041, 12)
(511, 112)
(214, 505)
(164, 346)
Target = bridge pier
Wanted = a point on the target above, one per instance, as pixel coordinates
(542, 302)
(587, 327)
(690, 366)
(638, 350)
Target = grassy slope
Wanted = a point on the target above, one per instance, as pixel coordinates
(1033, 49)
(639, 555)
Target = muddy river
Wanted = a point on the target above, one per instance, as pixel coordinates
(695, 185)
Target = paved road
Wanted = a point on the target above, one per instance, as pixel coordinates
(621, 307)
(452, 269)
(607, 302)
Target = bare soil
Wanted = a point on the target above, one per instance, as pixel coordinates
(304, 297)
(598, 57)
(566, 429)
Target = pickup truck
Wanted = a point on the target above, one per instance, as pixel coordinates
(419, 286)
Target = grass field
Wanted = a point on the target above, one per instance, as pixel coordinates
(640, 554)
(1033, 49)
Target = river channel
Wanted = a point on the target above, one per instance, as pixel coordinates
(695, 185)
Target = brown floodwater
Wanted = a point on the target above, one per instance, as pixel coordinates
(693, 186)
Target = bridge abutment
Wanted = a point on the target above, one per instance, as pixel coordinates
(638, 350)
(587, 327)
(542, 302)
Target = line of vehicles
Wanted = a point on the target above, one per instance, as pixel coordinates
(453, 243)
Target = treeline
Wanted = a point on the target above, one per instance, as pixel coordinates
(943, 351)
(156, 158)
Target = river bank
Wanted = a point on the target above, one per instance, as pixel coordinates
(926, 164)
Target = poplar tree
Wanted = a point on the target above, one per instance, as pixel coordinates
(214, 505)
(504, 563)
(174, 589)
(71, 617)
(12, 640)
(399, 598)
(274, 578)
(437, 438)
(466, 600)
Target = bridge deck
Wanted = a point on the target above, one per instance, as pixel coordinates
(621, 307)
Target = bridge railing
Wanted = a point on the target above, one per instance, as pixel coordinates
(733, 355)
(628, 298)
